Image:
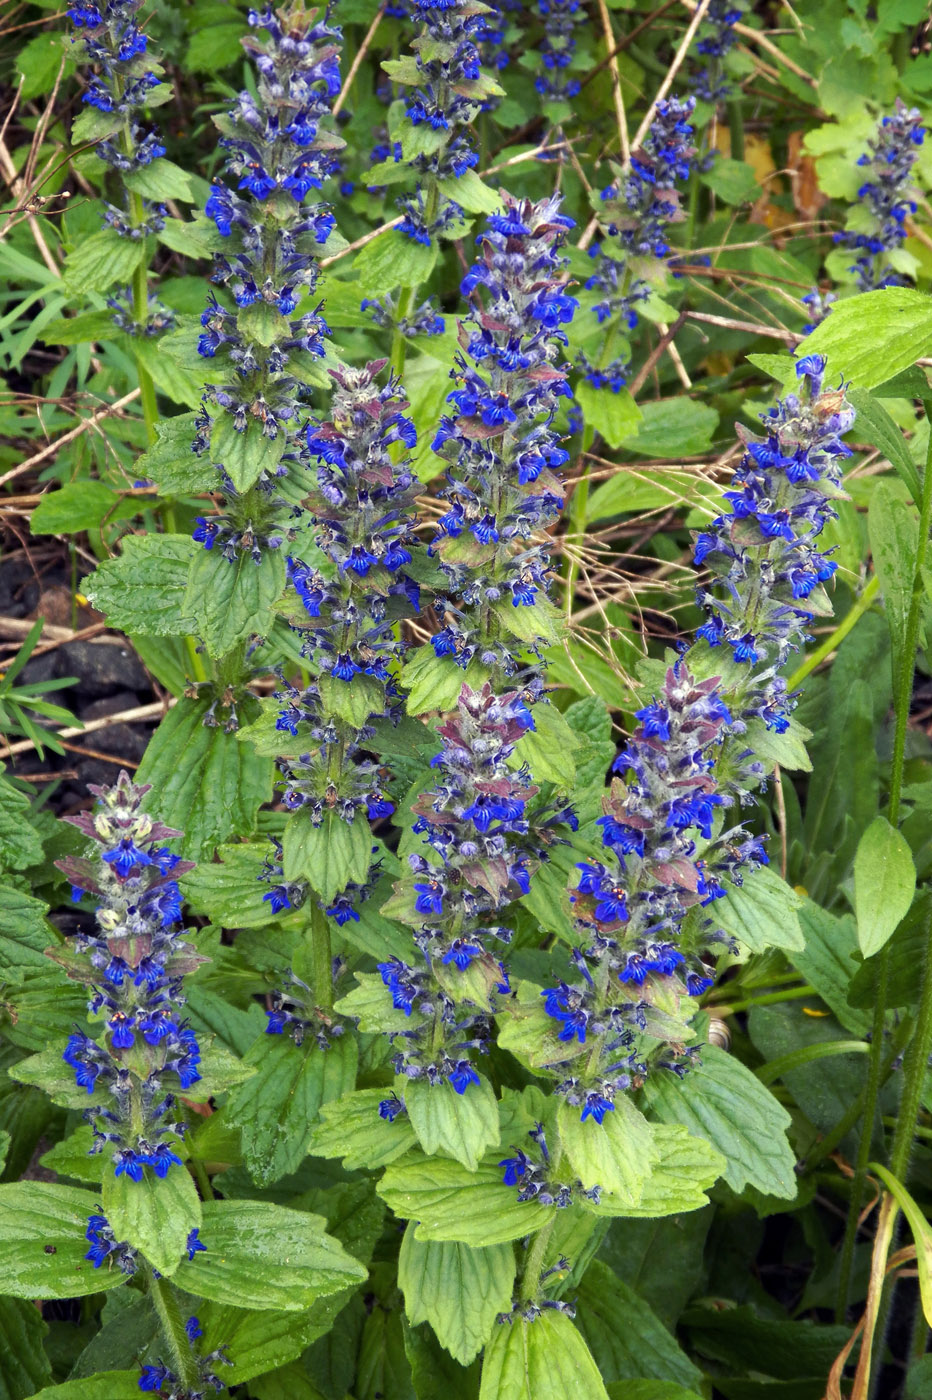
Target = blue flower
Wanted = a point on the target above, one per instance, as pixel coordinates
(125, 856)
(462, 1075)
(193, 1243)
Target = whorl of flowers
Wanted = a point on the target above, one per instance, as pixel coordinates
(639, 205)
(486, 837)
(502, 485)
(120, 87)
(163, 1379)
(558, 48)
(445, 89)
(887, 199)
(279, 151)
(639, 909)
(360, 503)
(717, 37)
(133, 965)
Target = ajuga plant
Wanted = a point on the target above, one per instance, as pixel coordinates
(635, 210)
(717, 38)
(876, 225)
(646, 909)
(121, 81)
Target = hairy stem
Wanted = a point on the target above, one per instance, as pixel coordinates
(170, 1320)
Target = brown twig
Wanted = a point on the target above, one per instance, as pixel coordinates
(655, 354)
(134, 716)
(354, 68)
(52, 447)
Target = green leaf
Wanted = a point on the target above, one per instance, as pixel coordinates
(143, 588)
(244, 455)
(278, 1107)
(155, 1215)
(231, 600)
(450, 1202)
(678, 1181)
(673, 428)
(546, 1359)
(80, 505)
(870, 337)
(35, 1215)
(542, 622)
(353, 701)
(24, 1366)
(79, 330)
(432, 682)
(161, 180)
(38, 63)
(350, 1128)
(462, 1126)
(393, 260)
(434, 1373)
(615, 417)
(171, 462)
(230, 891)
(922, 1235)
(827, 961)
(261, 1255)
(733, 181)
(101, 260)
(727, 1105)
(471, 193)
(209, 786)
(877, 427)
(634, 489)
(762, 913)
(625, 1336)
(616, 1154)
(106, 1385)
(328, 856)
(549, 748)
(458, 1289)
(884, 883)
(125, 1335)
(894, 536)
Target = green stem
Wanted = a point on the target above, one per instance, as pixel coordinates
(322, 955)
(534, 1264)
(169, 1314)
(768, 999)
(838, 634)
(917, 1057)
(202, 1179)
(736, 128)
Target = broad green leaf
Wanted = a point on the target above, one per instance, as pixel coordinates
(615, 417)
(329, 856)
(78, 330)
(549, 748)
(232, 599)
(625, 1336)
(353, 701)
(616, 1154)
(155, 1215)
(450, 1202)
(768, 1346)
(261, 1255)
(686, 1168)
(632, 488)
(106, 1385)
(894, 537)
(539, 624)
(143, 588)
(71, 1157)
(127, 1331)
(877, 427)
(673, 428)
(546, 1359)
(278, 1107)
(102, 260)
(762, 912)
(382, 1371)
(161, 179)
(434, 1373)
(25, 932)
(828, 961)
(350, 1128)
(80, 505)
(884, 883)
(727, 1105)
(230, 891)
(38, 63)
(393, 260)
(244, 455)
(471, 194)
(870, 337)
(172, 464)
(209, 786)
(37, 1217)
(462, 1126)
(457, 1288)
(432, 682)
(24, 1365)
(733, 181)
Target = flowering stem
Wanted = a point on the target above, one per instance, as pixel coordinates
(534, 1264)
(322, 954)
(922, 1038)
(169, 1315)
(838, 634)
